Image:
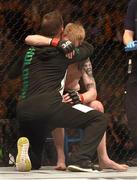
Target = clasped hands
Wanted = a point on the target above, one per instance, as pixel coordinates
(73, 97)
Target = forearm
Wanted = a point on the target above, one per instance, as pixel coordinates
(89, 96)
(37, 40)
(128, 36)
(64, 46)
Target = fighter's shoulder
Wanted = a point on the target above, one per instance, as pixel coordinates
(81, 64)
(86, 44)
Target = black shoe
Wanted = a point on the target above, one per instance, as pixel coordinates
(83, 166)
(132, 162)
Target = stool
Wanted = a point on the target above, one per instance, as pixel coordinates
(72, 139)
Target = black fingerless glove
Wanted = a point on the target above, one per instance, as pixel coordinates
(64, 46)
(74, 95)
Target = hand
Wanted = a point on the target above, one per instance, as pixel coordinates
(64, 46)
(70, 55)
(131, 44)
(67, 99)
(74, 95)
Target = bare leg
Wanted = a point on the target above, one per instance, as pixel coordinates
(104, 161)
(58, 135)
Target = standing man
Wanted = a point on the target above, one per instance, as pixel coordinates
(41, 105)
(129, 39)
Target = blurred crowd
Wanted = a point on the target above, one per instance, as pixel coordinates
(103, 21)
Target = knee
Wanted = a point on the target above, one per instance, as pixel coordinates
(97, 105)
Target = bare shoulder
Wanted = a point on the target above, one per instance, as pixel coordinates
(87, 74)
(85, 64)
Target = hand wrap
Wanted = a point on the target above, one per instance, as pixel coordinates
(75, 96)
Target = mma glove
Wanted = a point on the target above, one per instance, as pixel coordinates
(75, 96)
(64, 46)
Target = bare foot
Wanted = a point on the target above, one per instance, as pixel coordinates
(60, 167)
(109, 164)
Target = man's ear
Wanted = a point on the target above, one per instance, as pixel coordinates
(60, 34)
(62, 29)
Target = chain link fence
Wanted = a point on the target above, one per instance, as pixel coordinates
(103, 21)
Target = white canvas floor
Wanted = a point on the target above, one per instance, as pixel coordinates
(9, 173)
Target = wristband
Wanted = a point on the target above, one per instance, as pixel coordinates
(50, 39)
(81, 98)
(55, 41)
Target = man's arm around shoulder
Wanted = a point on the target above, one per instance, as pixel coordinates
(83, 52)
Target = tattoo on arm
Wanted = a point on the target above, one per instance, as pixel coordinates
(88, 67)
(87, 74)
(90, 85)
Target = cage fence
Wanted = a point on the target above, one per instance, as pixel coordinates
(103, 21)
